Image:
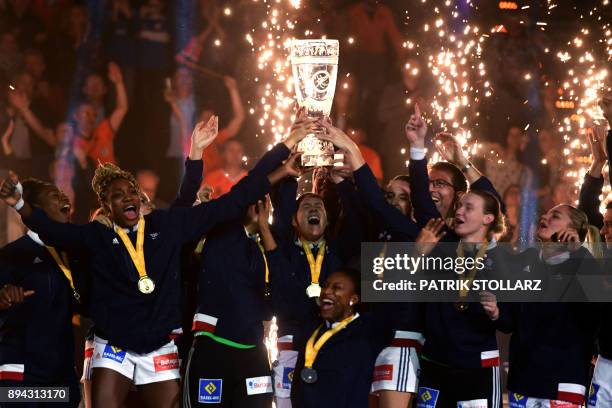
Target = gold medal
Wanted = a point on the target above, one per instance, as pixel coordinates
(313, 290)
(146, 285)
(315, 266)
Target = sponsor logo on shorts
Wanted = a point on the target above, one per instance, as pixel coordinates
(259, 385)
(517, 400)
(478, 403)
(428, 397)
(383, 372)
(563, 404)
(287, 378)
(209, 391)
(114, 353)
(592, 402)
(166, 362)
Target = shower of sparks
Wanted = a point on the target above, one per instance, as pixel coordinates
(586, 61)
(270, 42)
(452, 47)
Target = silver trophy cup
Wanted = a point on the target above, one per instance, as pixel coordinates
(315, 69)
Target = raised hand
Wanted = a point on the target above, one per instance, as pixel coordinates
(292, 166)
(570, 237)
(489, 303)
(11, 295)
(114, 73)
(341, 170)
(450, 149)
(429, 236)
(416, 129)
(301, 127)
(597, 142)
(18, 100)
(263, 211)
(205, 194)
(8, 190)
(606, 106)
(205, 133)
(230, 83)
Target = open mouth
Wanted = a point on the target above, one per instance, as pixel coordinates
(65, 209)
(459, 221)
(327, 304)
(314, 219)
(435, 199)
(130, 212)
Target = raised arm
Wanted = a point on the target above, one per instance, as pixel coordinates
(170, 97)
(396, 222)
(65, 235)
(121, 108)
(593, 181)
(235, 124)
(6, 138)
(420, 197)
(21, 103)
(202, 136)
(194, 222)
(450, 149)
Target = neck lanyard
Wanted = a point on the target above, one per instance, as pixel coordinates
(314, 290)
(312, 347)
(62, 263)
(472, 272)
(263, 253)
(145, 284)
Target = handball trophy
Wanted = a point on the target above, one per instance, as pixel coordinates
(315, 68)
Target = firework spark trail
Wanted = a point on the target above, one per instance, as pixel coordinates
(452, 48)
(586, 59)
(270, 42)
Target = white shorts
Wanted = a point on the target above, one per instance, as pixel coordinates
(89, 348)
(282, 373)
(600, 393)
(396, 369)
(159, 365)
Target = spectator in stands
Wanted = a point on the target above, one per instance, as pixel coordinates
(222, 179)
(25, 141)
(370, 155)
(212, 156)
(94, 90)
(505, 169)
(10, 55)
(149, 183)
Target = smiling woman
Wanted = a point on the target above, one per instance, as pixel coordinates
(36, 296)
(118, 194)
(327, 373)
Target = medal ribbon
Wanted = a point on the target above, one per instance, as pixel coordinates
(62, 262)
(263, 253)
(472, 272)
(315, 266)
(137, 254)
(312, 348)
